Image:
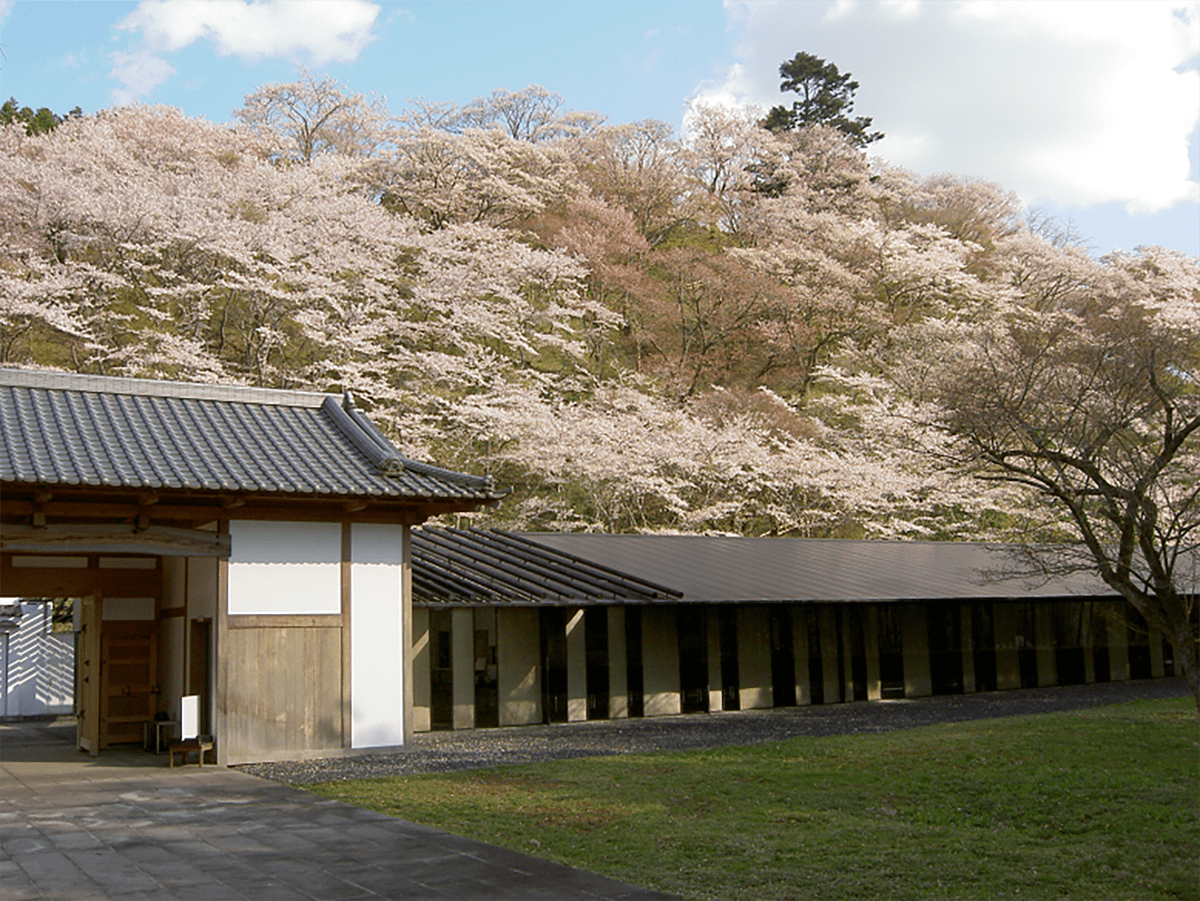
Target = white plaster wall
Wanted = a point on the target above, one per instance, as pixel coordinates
(285, 567)
(376, 636)
(36, 667)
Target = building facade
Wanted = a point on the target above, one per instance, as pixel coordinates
(249, 547)
(534, 628)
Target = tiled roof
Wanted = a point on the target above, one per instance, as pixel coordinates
(495, 568)
(72, 430)
(476, 566)
(745, 570)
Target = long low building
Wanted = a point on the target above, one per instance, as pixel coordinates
(513, 629)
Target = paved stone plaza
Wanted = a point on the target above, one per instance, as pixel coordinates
(124, 826)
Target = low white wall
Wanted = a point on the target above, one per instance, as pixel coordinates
(36, 667)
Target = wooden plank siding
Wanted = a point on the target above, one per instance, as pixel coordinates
(283, 693)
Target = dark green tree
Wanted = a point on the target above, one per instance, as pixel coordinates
(826, 98)
(36, 122)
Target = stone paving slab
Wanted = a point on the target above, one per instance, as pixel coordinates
(125, 826)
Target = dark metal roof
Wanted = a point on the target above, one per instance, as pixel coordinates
(473, 567)
(71, 430)
(732, 570)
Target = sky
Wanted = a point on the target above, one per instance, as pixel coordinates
(1088, 109)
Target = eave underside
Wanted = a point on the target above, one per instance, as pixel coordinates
(41, 505)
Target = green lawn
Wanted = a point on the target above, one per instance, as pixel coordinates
(1095, 804)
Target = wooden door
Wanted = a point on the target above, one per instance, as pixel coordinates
(129, 677)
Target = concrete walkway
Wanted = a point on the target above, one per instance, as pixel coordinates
(125, 826)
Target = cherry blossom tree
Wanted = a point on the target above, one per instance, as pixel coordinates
(1083, 385)
(311, 116)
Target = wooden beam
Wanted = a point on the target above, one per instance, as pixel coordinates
(112, 539)
(78, 583)
(284, 621)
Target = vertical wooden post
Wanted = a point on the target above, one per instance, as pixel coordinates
(347, 639)
(87, 734)
(406, 628)
(221, 701)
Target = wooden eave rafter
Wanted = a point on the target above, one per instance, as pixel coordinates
(45, 505)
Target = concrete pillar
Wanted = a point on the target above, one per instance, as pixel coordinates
(1156, 653)
(660, 661)
(713, 627)
(618, 676)
(1090, 638)
(843, 613)
(420, 669)
(918, 683)
(828, 629)
(518, 667)
(968, 647)
(1008, 661)
(462, 659)
(800, 617)
(1046, 635)
(1118, 641)
(754, 657)
(871, 648)
(576, 667)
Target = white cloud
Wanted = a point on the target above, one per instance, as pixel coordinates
(139, 73)
(315, 32)
(1074, 103)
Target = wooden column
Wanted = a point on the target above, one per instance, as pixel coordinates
(87, 734)
(411, 671)
(347, 643)
(221, 656)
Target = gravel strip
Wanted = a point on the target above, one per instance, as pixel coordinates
(440, 752)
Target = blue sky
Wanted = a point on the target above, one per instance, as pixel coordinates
(1089, 110)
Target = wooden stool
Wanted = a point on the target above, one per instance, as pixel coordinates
(186, 746)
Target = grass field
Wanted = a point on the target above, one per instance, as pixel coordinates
(1094, 804)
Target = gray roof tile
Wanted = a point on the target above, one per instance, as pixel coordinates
(723, 569)
(66, 429)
